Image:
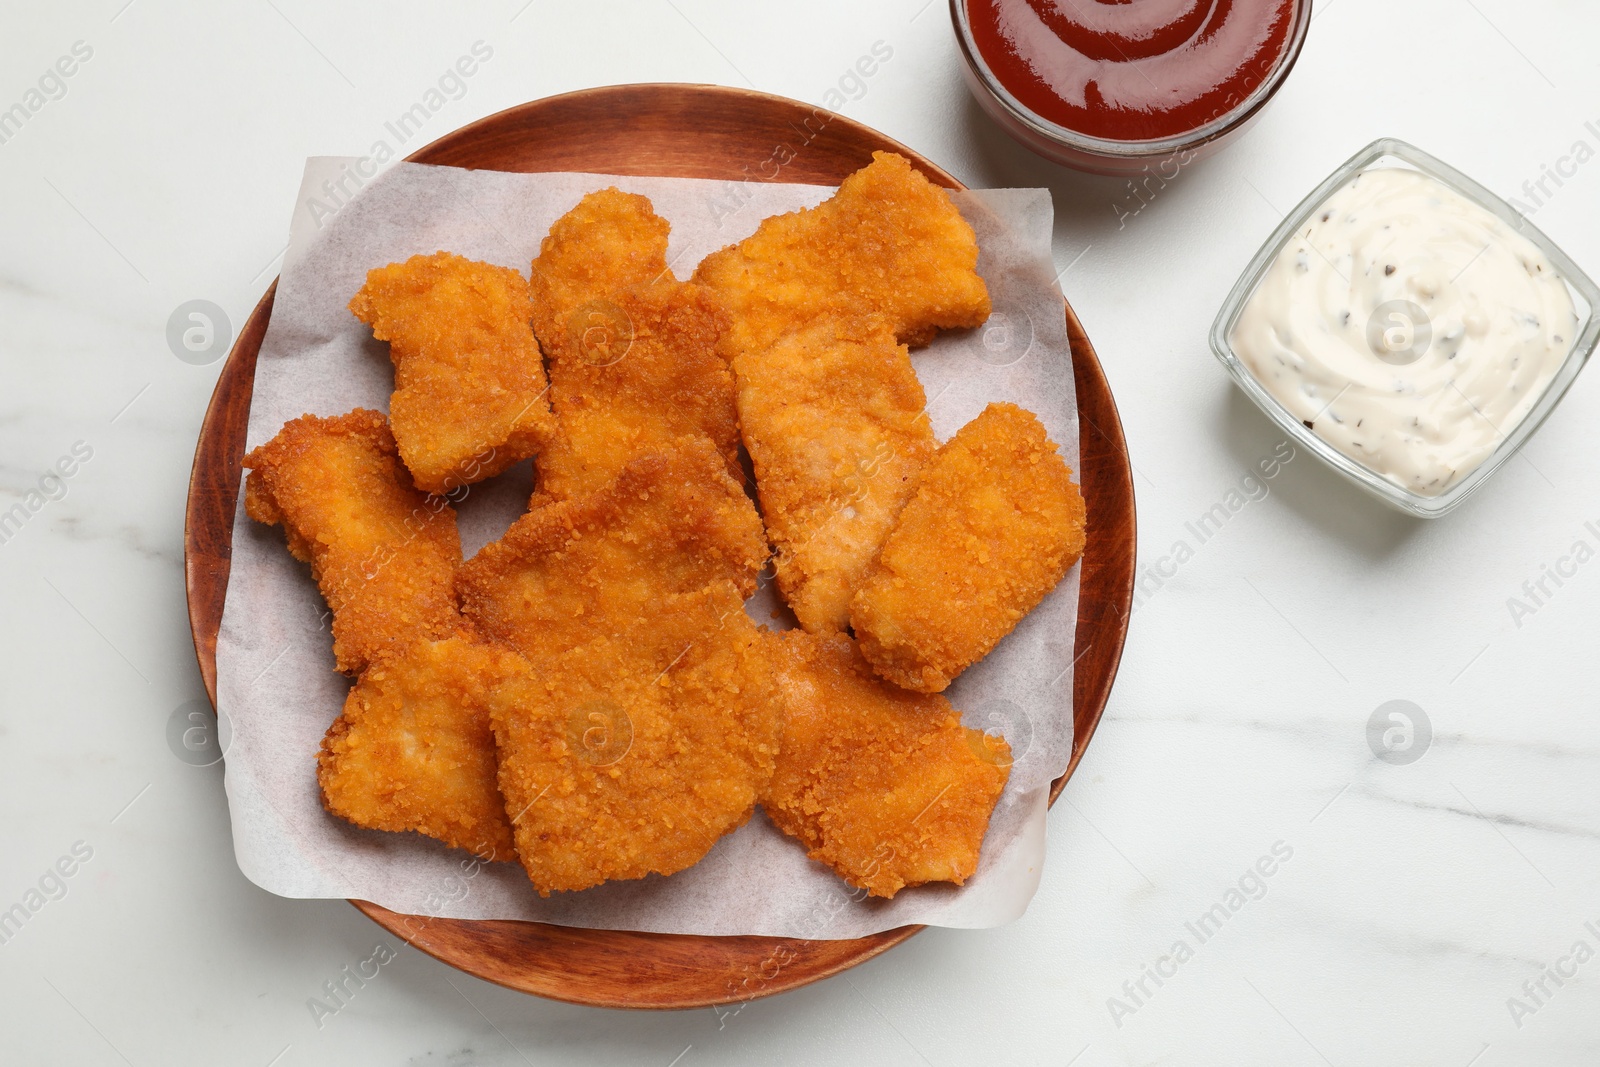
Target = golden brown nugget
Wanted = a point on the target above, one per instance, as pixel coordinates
(413, 749)
(833, 417)
(573, 570)
(888, 243)
(994, 522)
(884, 786)
(829, 406)
(640, 392)
(633, 753)
(633, 354)
(469, 386)
(384, 555)
(611, 240)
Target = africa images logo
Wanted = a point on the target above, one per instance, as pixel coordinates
(451, 85)
(1399, 732)
(599, 732)
(50, 87)
(1252, 885)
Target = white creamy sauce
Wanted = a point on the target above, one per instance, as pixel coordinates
(1411, 328)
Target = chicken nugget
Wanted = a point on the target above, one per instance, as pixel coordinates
(655, 377)
(611, 240)
(633, 354)
(993, 523)
(413, 749)
(470, 390)
(384, 555)
(884, 786)
(633, 753)
(574, 570)
(833, 417)
(888, 242)
(829, 406)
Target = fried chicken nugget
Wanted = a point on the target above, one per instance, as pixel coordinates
(633, 753)
(993, 523)
(829, 405)
(833, 418)
(384, 555)
(888, 242)
(413, 749)
(655, 377)
(574, 570)
(611, 240)
(469, 397)
(884, 786)
(633, 354)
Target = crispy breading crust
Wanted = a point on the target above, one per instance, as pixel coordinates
(413, 749)
(633, 354)
(884, 786)
(639, 393)
(834, 421)
(633, 753)
(993, 523)
(470, 390)
(384, 555)
(573, 570)
(829, 406)
(888, 242)
(611, 240)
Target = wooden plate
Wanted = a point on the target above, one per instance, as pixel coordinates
(693, 131)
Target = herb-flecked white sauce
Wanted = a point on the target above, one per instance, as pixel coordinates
(1409, 327)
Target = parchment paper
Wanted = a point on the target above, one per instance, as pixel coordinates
(276, 681)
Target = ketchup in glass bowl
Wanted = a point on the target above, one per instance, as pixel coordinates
(1116, 86)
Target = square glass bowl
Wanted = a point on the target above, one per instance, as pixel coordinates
(1392, 153)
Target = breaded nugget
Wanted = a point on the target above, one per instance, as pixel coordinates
(887, 243)
(568, 572)
(384, 555)
(829, 406)
(633, 753)
(833, 417)
(414, 751)
(993, 523)
(610, 241)
(633, 354)
(625, 396)
(884, 786)
(470, 391)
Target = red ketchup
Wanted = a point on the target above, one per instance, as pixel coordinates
(1131, 70)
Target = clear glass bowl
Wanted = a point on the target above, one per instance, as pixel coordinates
(1391, 152)
(1100, 155)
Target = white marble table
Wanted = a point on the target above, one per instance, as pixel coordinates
(1408, 904)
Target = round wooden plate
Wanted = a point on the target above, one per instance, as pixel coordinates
(692, 131)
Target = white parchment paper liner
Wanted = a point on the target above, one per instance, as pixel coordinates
(275, 676)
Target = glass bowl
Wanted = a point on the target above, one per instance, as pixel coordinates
(1389, 152)
(1099, 155)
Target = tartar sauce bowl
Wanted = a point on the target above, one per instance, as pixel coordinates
(1223, 112)
(1521, 336)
